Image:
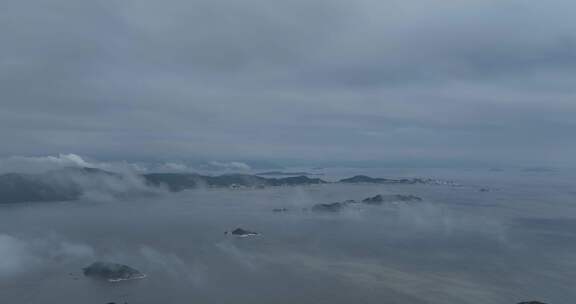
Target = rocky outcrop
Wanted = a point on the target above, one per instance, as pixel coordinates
(331, 207)
(239, 232)
(374, 200)
(112, 272)
(391, 198)
(363, 179)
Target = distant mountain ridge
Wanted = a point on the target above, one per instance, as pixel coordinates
(282, 173)
(376, 180)
(71, 183)
(183, 181)
(67, 184)
(363, 179)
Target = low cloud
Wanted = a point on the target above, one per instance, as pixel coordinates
(66, 175)
(24, 164)
(174, 167)
(41, 164)
(172, 265)
(22, 255)
(233, 166)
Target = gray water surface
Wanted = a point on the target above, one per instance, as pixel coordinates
(516, 242)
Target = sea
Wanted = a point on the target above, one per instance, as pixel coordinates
(486, 236)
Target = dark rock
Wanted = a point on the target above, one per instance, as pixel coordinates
(380, 199)
(532, 302)
(377, 199)
(112, 272)
(280, 210)
(332, 207)
(243, 233)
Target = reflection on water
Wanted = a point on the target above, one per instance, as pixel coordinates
(460, 245)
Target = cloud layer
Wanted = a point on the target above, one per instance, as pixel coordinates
(334, 80)
(22, 255)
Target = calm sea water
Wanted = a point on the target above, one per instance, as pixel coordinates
(516, 242)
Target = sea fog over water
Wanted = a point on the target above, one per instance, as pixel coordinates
(515, 242)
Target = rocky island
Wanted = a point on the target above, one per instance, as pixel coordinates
(112, 272)
(239, 232)
(378, 199)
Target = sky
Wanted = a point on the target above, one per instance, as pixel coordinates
(406, 81)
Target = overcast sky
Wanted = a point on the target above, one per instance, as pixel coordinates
(371, 80)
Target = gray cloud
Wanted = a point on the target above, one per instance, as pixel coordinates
(21, 255)
(316, 79)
